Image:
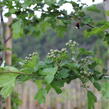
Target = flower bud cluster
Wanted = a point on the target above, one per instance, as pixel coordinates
(71, 43)
(29, 57)
(86, 74)
(87, 60)
(56, 53)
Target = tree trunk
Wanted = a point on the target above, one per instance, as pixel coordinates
(2, 34)
(8, 54)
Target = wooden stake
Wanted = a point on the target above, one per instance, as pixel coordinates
(8, 54)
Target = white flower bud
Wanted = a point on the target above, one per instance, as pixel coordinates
(63, 49)
(51, 50)
(52, 55)
(70, 41)
(85, 72)
(67, 44)
(56, 50)
(30, 55)
(26, 57)
(74, 42)
(48, 53)
(34, 53)
(73, 59)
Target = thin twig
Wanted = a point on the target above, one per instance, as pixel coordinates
(6, 40)
(90, 25)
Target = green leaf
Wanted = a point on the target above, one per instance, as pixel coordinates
(97, 85)
(97, 30)
(17, 29)
(50, 1)
(11, 69)
(57, 89)
(42, 27)
(107, 13)
(64, 73)
(6, 91)
(105, 89)
(49, 74)
(31, 65)
(91, 99)
(12, 10)
(93, 8)
(87, 20)
(8, 14)
(39, 83)
(57, 85)
(73, 66)
(40, 96)
(60, 30)
(27, 3)
(60, 2)
(7, 83)
(48, 87)
(7, 79)
(83, 51)
(74, 4)
(49, 78)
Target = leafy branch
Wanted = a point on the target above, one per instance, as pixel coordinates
(58, 67)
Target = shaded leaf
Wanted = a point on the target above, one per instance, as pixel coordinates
(91, 99)
(40, 96)
(17, 29)
(64, 73)
(97, 86)
(49, 74)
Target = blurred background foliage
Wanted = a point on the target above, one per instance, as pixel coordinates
(49, 40)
